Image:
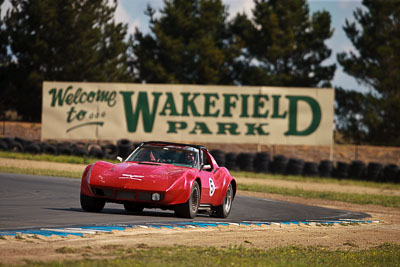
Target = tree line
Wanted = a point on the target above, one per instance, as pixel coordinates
(193, 42)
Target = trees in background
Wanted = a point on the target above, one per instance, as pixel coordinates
(372, 117)
(60, 40)
(189, 43)
(284, 45)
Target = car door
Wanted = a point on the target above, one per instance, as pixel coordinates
(207, 178)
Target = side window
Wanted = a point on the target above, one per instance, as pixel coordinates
(206, 160)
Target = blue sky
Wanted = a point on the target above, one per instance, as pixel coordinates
(132, 13)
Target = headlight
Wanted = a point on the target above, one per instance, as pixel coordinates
(155, 197)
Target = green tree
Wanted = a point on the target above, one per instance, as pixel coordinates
(376, 36)
(284, 45)
(189, 43)
(61, 40)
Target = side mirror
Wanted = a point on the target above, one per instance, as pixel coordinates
(207, 167)
(119, 159)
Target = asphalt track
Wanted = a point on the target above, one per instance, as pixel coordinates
(28, 201)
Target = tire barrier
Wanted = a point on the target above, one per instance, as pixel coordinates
(390, 173)
(295, 166)
(310, 169)
(230, 161)
(245, 161)
(3, 145)
(124, 147)
(261, 162)
(219, 157)
(64, 149)
(279, 164)
(356, 169)
(374, 171)
(252, 162)
(46, 148)
(341, 170)
(79, 149)
(325, 168)
(95, 151)
(110, 151)
(32, 148)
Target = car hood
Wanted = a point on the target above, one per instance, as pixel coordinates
(140, 176)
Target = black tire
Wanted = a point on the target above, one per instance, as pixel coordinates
(245, 161)
(3, 145)
(124, 147)
(64, 149)
(295, 166)
(110, 151)
(310, 169)
(32, 148)
(96, 152)
(191, 207)
(92, 204)
(325, 168)
(219, 156)
(230, 161)
(341, 170)
(133, 207)
(279, 164)
(357, 169)
(261, 162)
(49, 149)
(223, 210)
(15, 147)
(374, 171)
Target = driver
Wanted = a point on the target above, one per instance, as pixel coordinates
(190, 158)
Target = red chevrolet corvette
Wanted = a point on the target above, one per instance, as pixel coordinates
(181, 177)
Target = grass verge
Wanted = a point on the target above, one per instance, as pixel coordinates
(381, 200)
(42, 172)
(323, 180)
(384, 255)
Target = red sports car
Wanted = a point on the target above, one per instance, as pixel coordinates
(181, 177)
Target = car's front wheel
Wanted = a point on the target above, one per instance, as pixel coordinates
(191, 207)
(223, 210)
(92, 204)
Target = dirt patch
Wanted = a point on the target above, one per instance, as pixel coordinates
(37, 248)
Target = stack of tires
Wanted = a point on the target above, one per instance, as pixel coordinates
(261, 162)
(295, 166)
(390, 173)
(219, 156)
(279, 164)
(325, 168)
(230, 161)
(374, 171)
(310, 169)
(245, 161)
(125, 147)
(357, 170)
(341, 170)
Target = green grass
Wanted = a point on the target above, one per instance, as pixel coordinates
(381, 200)
(51, 158)
(384, 255)
(322, 180)
(87, 160)
(42, 172)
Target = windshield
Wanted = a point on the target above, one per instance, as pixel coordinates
(178, 156)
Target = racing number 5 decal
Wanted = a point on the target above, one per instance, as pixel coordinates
(212, 186)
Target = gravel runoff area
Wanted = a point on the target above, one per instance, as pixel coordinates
(37, 248)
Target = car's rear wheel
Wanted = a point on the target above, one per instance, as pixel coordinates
(223, 210)
(92, 204)
(133, 208)
(191, 207)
